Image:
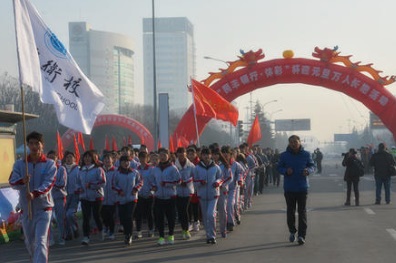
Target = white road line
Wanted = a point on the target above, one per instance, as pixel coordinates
(392, 232)
(369, 211)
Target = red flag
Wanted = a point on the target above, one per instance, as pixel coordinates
(130, 140)
(76, 150)
(59, 145)
(171, 145)
(114, 144)
(91, 144)
(107, 144)
(182, 141)
(159, 144)
(255, 132)
(124, 141)
(81, 140)
(210, 103)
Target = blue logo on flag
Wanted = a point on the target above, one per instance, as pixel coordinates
(54, 45)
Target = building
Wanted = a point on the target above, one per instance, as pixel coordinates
(107, 60)
(175, 60)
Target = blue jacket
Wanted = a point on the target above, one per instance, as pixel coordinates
(165, 178)
(296, 182)
(125, 182)
(110, 195)
(205, 176)
(90, 183)
(59, 189)
(146, 173)
(43, 175)
(186, 172)
(72, 176)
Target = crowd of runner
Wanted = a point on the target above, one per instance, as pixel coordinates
(121, 191)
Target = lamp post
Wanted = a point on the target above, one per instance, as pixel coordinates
(154, 81)
(216, 59)
(272, 113)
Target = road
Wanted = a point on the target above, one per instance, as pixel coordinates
(336, 233)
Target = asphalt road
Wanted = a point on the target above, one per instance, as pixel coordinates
(336, 233)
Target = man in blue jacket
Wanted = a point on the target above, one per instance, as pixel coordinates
(296, 164)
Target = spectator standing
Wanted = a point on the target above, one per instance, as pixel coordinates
(381, 161)
(352, 175)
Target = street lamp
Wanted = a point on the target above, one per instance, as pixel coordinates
(216, 59)
(272, 113)
(269, 103)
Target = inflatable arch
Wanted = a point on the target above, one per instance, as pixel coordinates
(328, 70)
(116, 120)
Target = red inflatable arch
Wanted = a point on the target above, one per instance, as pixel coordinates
(116, 120)
(328, 70)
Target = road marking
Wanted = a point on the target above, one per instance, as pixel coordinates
(369, 211)
(392, 232)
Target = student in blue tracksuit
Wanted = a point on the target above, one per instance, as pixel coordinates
(165, 179)
(233, 188)
(145, 205)
(296, 164)
(227, 175)
(59, 194)
(184, 190)
(127, 183)
(110, 196)
(90, 183)
(207, 180)
(72, 199)
(41, 174)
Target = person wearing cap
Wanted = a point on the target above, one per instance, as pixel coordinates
(352, 176)
(72, 199)
(381, 161)
(207, 181)
(165, 179)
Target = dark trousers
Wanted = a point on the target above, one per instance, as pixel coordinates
(87, 208)
(355, 184)
(108, 213)
(298, 200)
(182, 204)
(144, 209)
(125, 212)
(165, 207)
(193, 210)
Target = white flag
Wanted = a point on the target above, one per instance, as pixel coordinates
(46, 66)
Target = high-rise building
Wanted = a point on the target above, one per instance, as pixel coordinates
(107, 60)
(175, 60)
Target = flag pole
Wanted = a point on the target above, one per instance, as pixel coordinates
(27, 178)
(195, 115)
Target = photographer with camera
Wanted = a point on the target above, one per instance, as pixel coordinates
(354, 170)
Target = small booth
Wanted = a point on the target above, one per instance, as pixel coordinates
(8, 196)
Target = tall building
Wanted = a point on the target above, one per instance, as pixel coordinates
(107, 60)
(175, 60)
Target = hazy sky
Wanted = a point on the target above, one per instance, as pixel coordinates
(361, 28)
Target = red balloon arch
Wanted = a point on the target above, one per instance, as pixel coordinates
(116, 120)
(328, 70)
